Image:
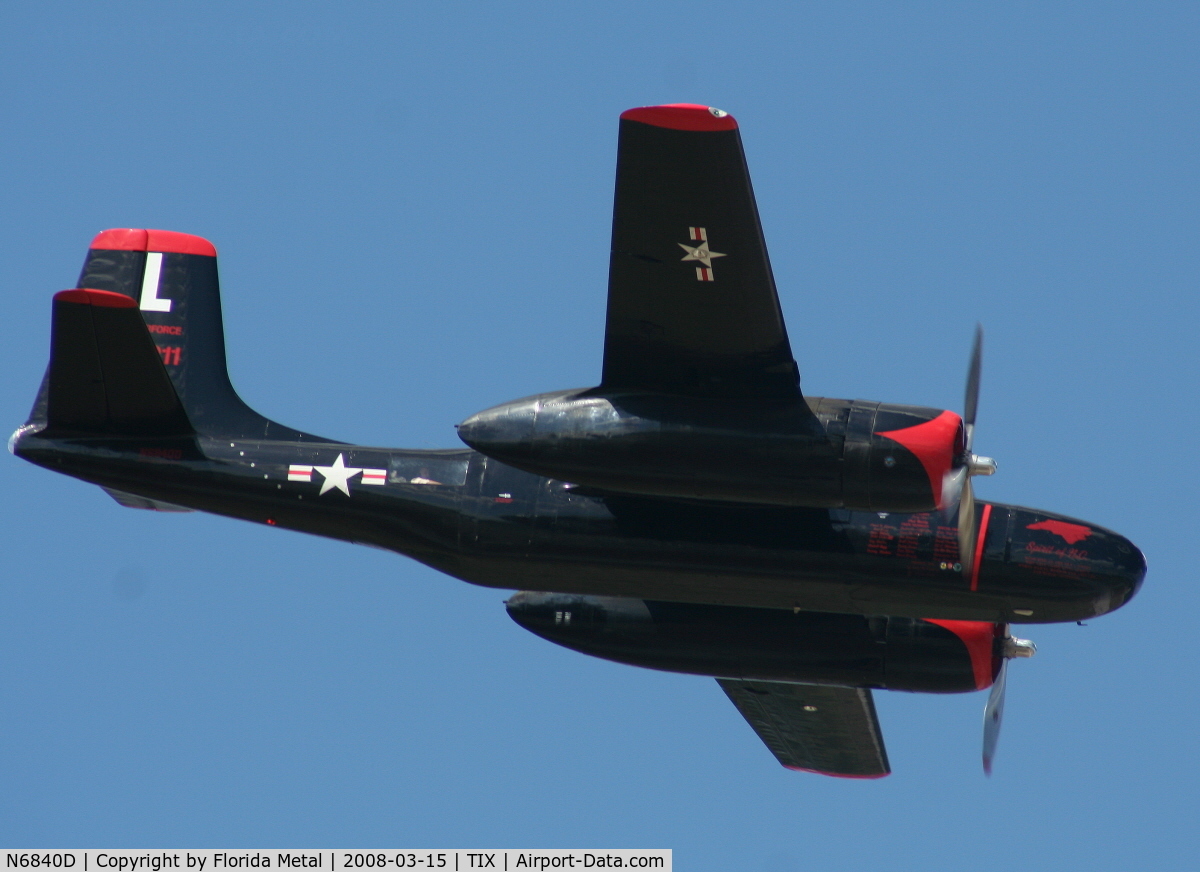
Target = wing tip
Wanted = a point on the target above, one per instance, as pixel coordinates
(93, 297)
(855, 775)
(166, 241)
(682, 116)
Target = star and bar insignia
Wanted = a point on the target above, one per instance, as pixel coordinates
(700, 253)
(337, 476)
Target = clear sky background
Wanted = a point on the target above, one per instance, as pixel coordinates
(412, 204)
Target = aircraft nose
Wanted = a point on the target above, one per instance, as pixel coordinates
(1125, 572)
(1132, 565)
(1068, 569)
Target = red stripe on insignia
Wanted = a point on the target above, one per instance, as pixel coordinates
(166, 241)
(298, 472)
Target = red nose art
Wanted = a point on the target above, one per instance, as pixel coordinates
(1071, 533)
(933, 443)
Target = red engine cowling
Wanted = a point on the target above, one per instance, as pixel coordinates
(896, 458)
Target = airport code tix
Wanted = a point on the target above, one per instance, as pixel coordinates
(337, 860)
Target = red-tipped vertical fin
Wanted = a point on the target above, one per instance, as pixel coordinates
(105, 375)
(171, 279)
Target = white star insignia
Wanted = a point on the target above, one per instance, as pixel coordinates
(337, 476)
(699, 252)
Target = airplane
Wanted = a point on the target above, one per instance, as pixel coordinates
(694, 512)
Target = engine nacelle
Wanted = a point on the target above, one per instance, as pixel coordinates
(769, 644)
(822, 453)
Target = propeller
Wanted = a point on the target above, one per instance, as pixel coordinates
(993, 712)
(957, 492)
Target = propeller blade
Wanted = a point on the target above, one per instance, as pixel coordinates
(956, 487)
(952, 485)
(966, 526)
(993, 712)
(971, 400)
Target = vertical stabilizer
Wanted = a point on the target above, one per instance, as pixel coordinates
(171, 278)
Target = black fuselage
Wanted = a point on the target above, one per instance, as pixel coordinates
(490, 524)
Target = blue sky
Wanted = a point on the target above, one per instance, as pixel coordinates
(412, 204)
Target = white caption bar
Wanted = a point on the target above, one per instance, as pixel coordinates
(339, 860)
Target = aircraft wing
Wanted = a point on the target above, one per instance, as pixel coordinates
(692, 307)
(814, 728)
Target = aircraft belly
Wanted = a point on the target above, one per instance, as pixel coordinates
(759, 590)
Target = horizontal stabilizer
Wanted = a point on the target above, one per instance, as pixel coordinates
(814, 728)
(106, 375)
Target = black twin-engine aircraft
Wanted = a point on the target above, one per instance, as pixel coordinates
(694, 512)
